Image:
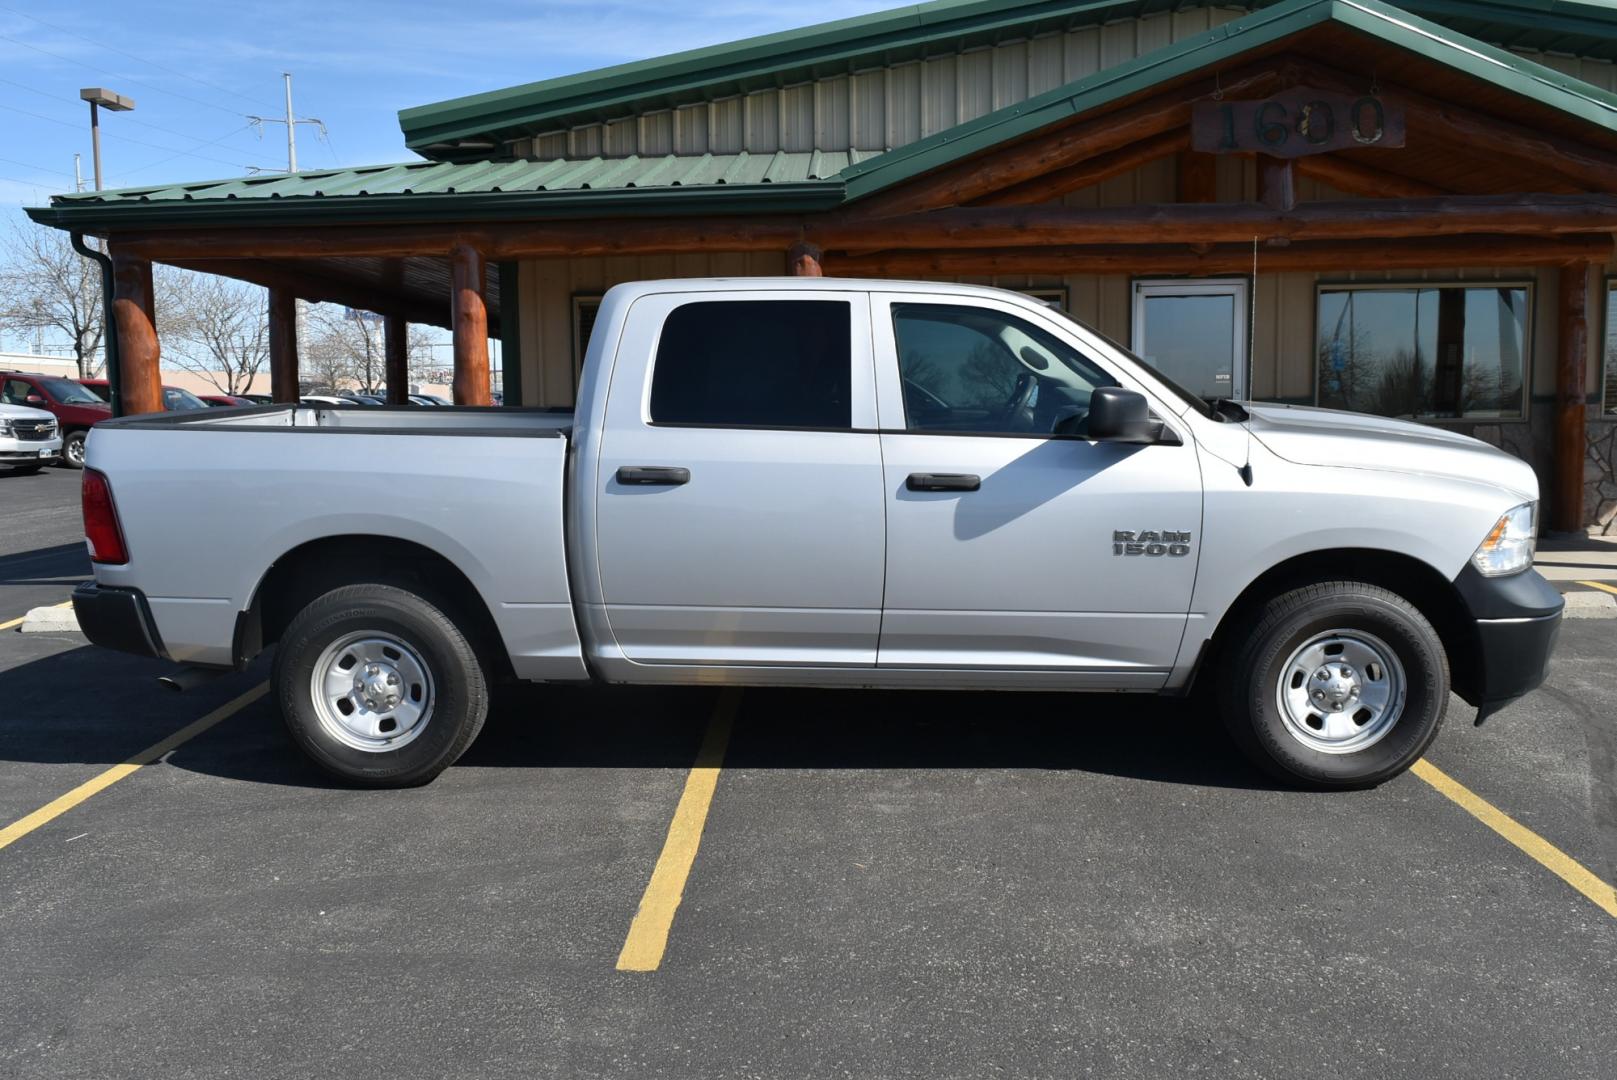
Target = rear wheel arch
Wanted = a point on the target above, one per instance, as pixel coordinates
(316, 567)
(1418, 582)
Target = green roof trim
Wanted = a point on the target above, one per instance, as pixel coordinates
(908, 33)
(1222, 45)
(669, 184)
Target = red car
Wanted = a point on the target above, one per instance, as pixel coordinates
(224, 401)
(77, 410)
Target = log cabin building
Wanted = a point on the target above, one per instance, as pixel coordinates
(1402, 210)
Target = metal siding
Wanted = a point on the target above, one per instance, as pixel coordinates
(939, 103)
(974, 84)
(867, 109)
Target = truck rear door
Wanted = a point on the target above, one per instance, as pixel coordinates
(1006, 546)
(740, 506)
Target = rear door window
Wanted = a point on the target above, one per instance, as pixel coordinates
(755, 363)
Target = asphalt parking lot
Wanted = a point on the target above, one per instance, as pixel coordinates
(886, 885)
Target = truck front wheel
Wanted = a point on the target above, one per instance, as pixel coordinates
(1337, 685)
(379, 686)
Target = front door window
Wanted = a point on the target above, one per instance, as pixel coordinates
(1195, 333)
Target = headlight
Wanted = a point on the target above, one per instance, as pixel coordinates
(5, 429)
(1509, 544)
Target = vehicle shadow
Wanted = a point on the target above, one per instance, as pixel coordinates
(92, 706)
(64, 564)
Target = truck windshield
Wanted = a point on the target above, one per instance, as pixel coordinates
(68, 392)
(1195, 401)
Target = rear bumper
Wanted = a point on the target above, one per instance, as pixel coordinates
(117, 619)
(1518, 619)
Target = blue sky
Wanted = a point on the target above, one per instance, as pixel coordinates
(196, 69)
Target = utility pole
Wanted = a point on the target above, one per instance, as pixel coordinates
(291, 121)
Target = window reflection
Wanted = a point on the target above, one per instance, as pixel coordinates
(1425, 353)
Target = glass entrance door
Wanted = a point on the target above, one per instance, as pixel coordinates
(1194, 332)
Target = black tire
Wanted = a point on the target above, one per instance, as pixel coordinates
(73, 450)
(458, 697)
(1249, 685)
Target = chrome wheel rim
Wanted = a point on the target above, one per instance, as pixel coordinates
(74, 449)
(1341, 691)
(372, 691)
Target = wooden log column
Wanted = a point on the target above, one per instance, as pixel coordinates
(469, 319)
(396, 356)
(283, 345)
(805, 260)
(1570, 396)
(138, 349)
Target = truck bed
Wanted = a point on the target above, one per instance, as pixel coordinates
(209, 499)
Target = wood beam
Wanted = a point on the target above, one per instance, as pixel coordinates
(311, 285)
(1053, 185)
(1002, 167)
(396, 358)
(1571, 395)
(138, 350)
(1277, 183)
(1434, 254)
(1211, 223)
(1197, 177)
(805, 260)
(1355, 179)
(283, 345)
(469, 315)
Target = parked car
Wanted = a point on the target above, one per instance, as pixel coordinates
(76, 409)
(834, 483)
(258, 399)
(175, 399)
(328, 399)
(429, 399)
(367, 399)
(223, 401)
(29, 439)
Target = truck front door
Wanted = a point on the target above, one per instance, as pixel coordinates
(739, 488)
(1013, 542)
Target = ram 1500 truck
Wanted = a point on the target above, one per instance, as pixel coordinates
(820, 482)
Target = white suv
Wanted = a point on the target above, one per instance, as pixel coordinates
(29, 439)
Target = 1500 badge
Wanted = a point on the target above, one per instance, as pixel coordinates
(1150, 543)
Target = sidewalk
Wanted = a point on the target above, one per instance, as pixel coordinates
(1567, 561)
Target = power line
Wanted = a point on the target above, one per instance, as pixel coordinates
(132, 56)
(37, 168)
(116, 75)
(153, 164)
(121, 120)
(126, 138)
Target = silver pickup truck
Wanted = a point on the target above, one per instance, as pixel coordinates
(820, 482)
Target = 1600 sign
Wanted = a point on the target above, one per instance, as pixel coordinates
(1298, 122)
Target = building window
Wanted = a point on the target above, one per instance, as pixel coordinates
(585, 308)
(1425, 352)
(1610, 354)
(755, 363)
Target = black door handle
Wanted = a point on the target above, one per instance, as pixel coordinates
(943, 481)
(653, 474)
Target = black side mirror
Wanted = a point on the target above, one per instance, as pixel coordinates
(1119, 415)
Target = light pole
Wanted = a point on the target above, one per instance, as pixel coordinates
(100, 97)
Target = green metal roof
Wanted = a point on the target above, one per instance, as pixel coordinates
(1220, 45)
(778, 181)
(782, 182)
(908, 33)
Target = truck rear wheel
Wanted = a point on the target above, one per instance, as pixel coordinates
(379, 686)
(1336, 685)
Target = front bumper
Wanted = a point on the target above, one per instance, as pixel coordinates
(1518, 619)
(29, 451)
(117, 619)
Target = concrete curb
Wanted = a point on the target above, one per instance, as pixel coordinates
(1591, 605)
(56, 620)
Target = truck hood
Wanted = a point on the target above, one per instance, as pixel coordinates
(1310, 436)
(24, 412)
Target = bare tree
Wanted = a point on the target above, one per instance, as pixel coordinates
(346, 347)
(216, 327)
(46, 285)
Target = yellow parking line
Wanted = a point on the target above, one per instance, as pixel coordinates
(648, 934)
(1599, 585)
(23, 618)
(1541, 850)
(57, 807)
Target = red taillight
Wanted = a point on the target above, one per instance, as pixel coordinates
(101, 528)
